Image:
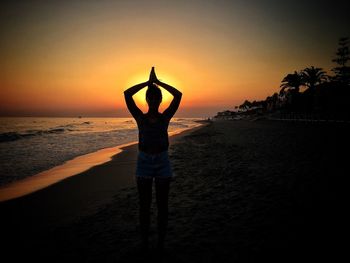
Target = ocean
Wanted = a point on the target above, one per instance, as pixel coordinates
(30, 145)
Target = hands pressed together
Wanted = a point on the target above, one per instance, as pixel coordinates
(152, 77)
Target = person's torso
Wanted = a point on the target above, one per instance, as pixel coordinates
(153, 133)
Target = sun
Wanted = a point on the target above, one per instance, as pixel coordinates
(140, 97)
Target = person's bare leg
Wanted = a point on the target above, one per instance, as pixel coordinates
(162, 192)
(144, 187)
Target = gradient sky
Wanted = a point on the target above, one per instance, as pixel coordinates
(70, 58)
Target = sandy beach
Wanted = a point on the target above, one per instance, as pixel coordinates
(243, 191)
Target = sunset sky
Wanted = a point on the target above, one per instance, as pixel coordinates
(70, 58)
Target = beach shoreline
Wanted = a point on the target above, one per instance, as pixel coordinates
(81, 194)
(244, 191)
(69, 168)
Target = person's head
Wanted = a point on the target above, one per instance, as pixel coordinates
(153, 96)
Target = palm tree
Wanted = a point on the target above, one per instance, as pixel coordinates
(290, 88)
(292, 82)
(313, 76)
(246, 105)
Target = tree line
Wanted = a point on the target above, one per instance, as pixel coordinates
(323, 95)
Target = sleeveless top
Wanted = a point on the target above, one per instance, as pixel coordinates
(153, 134)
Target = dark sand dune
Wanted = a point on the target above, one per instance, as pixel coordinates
(243, 192)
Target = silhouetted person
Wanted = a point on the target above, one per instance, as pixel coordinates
(153, 160)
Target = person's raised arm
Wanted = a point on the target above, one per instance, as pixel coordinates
(130, 103)
(174, 105)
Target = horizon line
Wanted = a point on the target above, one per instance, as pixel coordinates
(78, 117)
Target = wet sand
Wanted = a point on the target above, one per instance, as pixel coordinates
(244, 191)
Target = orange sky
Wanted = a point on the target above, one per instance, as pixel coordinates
(75, 59)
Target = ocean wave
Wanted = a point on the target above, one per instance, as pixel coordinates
(69, 125)
(177, 124)
(13, 136)
(28, 149)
